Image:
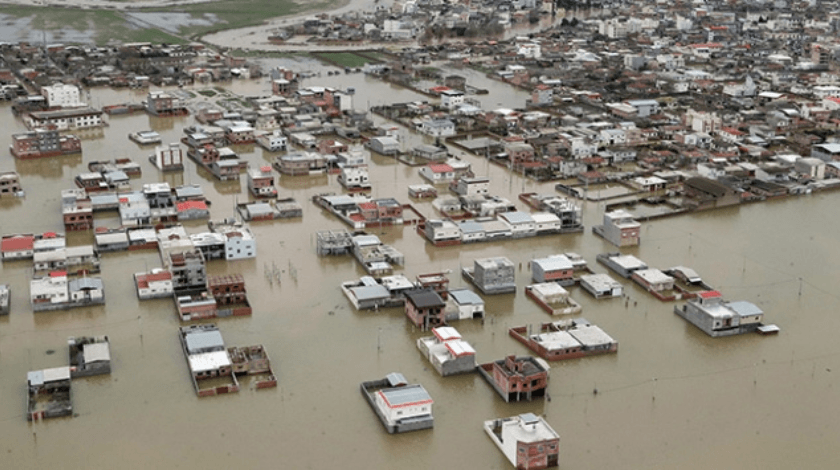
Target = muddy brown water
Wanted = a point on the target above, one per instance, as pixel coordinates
(670, 398)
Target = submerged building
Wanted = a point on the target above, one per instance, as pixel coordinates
(527, 441)
(401, 406)
(716, 317)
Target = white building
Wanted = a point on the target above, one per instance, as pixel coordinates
(437, 173)
(62, 96)
(601, 285)
(611, 137)
(451, 99)
(530, 50)
(51, 289)
(442, 231)
(747, 88)
(521, 223)
(273, 141)
(466, 304)
(354, 177)
(437, 127)
(619, 228)
(448, 353)
(396, 29)
(239, 241)
(715, 317)
(169, 157)
(644, 108)
(404, 403)
(472, 186)
(154, 284)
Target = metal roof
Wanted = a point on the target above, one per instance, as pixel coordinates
(206, 339)
(554, 263)
(370, 292)
(744, 308)
(466, 297)
(470, 226)
(517, 217)
(424, 298)
(446, 333)
(85, 283)
(396, 379)
(459, 348)
(653, 275)
(407, 395)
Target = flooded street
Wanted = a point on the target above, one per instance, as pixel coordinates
(670, 398)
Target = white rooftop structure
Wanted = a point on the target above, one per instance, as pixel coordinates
(628, 262)
(94, 352)
(205, 362)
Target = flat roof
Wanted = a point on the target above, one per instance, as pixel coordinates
(653, 275)
(397, 282)
(628, 262)
(527, 427)
(93, 352)
(544, 217)
(205, 362)
(40, 377)
(554, 263)
(499, 261)
(600, 281)
(591, 335)
(556, 340)
(549, 289)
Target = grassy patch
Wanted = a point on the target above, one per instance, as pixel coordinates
(270, 54)
(110, 25)
(342, 59)
(241, 13)
(104, 25)
(382, 57)
(207, 93)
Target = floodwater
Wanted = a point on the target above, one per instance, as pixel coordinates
(670, 398)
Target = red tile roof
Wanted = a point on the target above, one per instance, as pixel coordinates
(709, 294)
(440, 168)
(188, 205)
(17, 243)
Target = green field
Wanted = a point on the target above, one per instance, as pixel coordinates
(103, 26)
(238, 14)
(342, 59)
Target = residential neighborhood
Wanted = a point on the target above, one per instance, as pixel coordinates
(442, 189)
